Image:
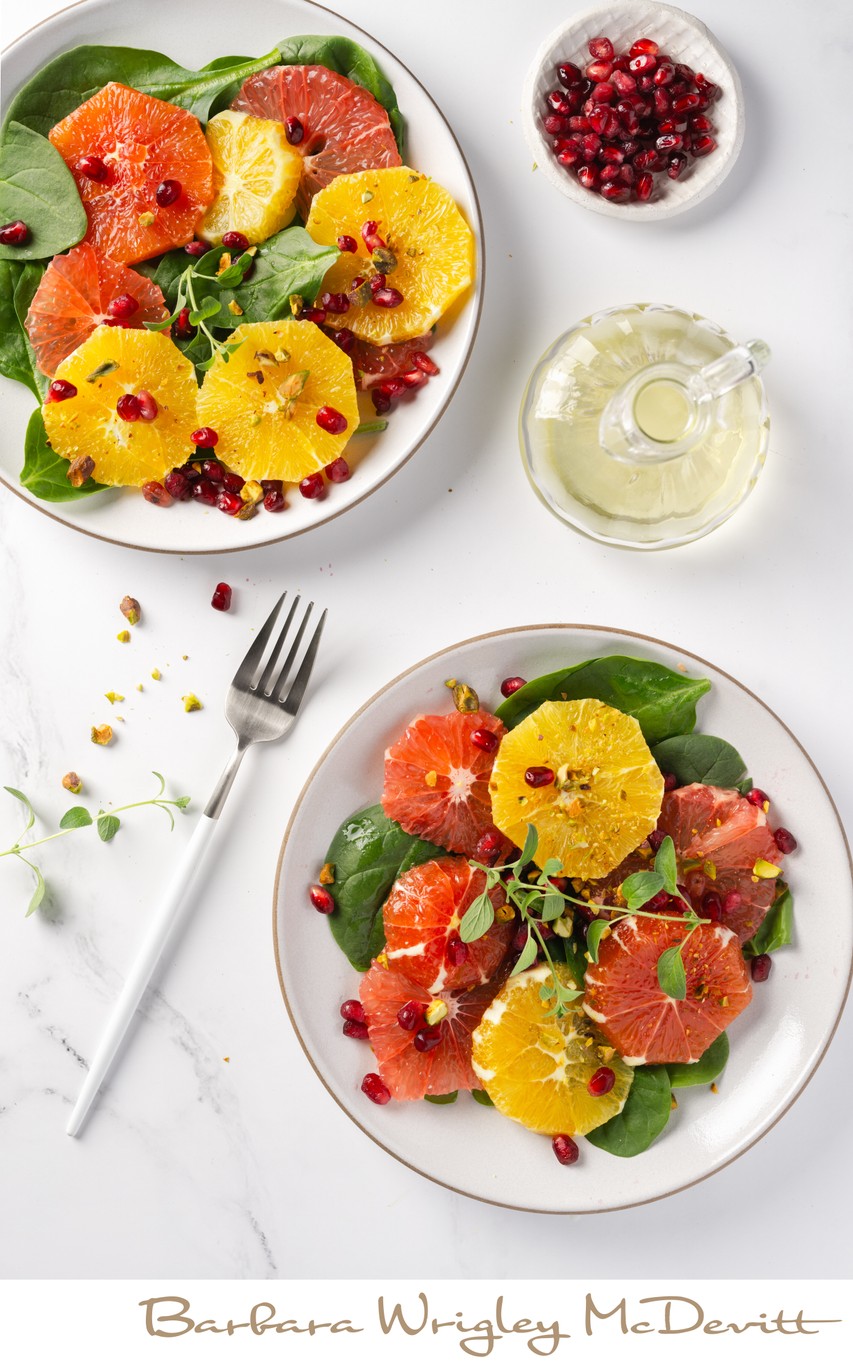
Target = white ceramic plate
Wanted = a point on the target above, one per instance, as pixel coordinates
(687, 40)
(124, 516)
(776, 1044)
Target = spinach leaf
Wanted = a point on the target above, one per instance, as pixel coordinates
(44, 472)
(369, 853)
(776, 929)
(645, 1115)
(74, 76)
(18, 284)
(37, 186)
(664, 702)
(350, 60)
(700, 759)
(571, 952)
(704, 1070)
(28, 282)
(447, 1099)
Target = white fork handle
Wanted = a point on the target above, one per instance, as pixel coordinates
(159, 932)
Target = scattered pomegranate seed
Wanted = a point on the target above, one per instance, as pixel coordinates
(659, 901)
(127, 408)
(712, 907)
(422, 361)
(785, 842)
(168, 192)
(539, 776)
(732, 901)
(677, 165)
(124, 306)
(14, 234)
(274, 501)
(231, 503)
(335, 303)
(204, 492)
(197, 248)
(644, 45)
(183, 327)
(156, 494)
(353, 1010)
(381, 401)
(601, 48)
(338, 472)
(387, 298)
(178, 485)
(331, 420)
(60, 389)
(375, 1089)
(321, 899)
(93, 168)
(221, 599)
(519, 939)
(294, 130)
(235, 241)
(644, 185)
(589, 177)
(354, 1029)
(487, 848)
(313, 486)
(656, 839)
(511, 685)
(565, 1149)
(313, 315)
(457, 951)
(758, 797)
(205, 437)
(410, 1016)
(670, 782)
(347, 243)
(760, 967)
(428, 1038)
(345, 339)
(212, 470)
(703, 145)
(148, 409)
(232, 481)
(601, 1081)
(485, 739)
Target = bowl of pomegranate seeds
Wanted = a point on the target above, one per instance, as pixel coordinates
(634, 110)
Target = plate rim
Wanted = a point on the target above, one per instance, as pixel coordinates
(478, 227)
(375, 697)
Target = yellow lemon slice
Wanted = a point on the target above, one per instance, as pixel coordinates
(604, 794)
(255, 177)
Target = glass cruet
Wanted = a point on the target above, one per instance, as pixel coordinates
(645, 426)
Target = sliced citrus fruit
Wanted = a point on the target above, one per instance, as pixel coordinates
(73, 297)
(604, 792)
(625, 998)
(536, 1067)
(409, 1073)
(264, 401)
(373, 364)
(255, 177)
(141, 143)
(437, 780)
(112, 362)
(720, 841)
(426, 257)
(422, 916)
(343, 128)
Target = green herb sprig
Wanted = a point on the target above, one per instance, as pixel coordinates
(77, 818)
(191, 284)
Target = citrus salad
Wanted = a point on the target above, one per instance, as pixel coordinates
(202, 272)
(560, 906)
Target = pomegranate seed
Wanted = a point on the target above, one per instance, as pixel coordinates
(708, 88)
(590, 145)
(331, 420)
(14, 234)
(511, 685)
(183, 327)
(670, 782)
(272, 485)
(602, 48)
(457, 951)
(703, 145)
(554, 123)
(294, 130)
(624, 82)
(649, 160)
(197, 248)
(485, 739)
(410, 1016)
(212, 470)
(617, 194)
(732, 901)
(598, 71)
(124, 306)
(760, 967)
(676, 165)
(353, 1029)
(570, 75)
(381, 401)
(221, 599)
(347, 243)
(148, 409)
(685, 72)
(658, 902)
(558, 103)
(204, 437)
(353, 1010)
(313, 315)
(487, 848)
(588, 177)
(644, 45)
(168, 192)
(338, 472)
(567, 154)
(231, 503)
(191, 472)
(428, 1038)
(785, 842)
(601, 1081)
(235, 241)
(178, 485)
(313, 486)
(643, 64)
(154, 493)
(377, 282)
(233, 482)
(335, 303)
(539, 776)
(321, 899)
(59, 390)
(127, 408)
(578, 123)
(387, 298)
(656, 839)
(662, 104)
(425, 363)
(609, 174)
(370, 235)
(700, 124)
(669, 142)
(519, 939)
(274, 501)
(204, 492)
(93, 168)
(757, 797)
(375, 1089)
(684, 103)
(712, 906)
(644, 185)
(345, 339)
(565, 1149)
(664, 74)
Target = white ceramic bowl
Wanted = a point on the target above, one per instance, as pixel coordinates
(687, 40)
(775, 1045)
(123, 516)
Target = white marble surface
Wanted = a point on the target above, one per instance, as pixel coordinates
(195, 1166)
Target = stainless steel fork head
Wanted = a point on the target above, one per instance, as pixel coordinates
(265, 696)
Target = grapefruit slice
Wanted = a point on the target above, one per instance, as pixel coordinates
(536, 1068)
(142, 142)
(373, 364)
(719, 839)
(604, 795)
(635, 1014)
(343, 127)
(437, 780)
(255, 177)
(422, 917)
(72, 300)
(408, 1074)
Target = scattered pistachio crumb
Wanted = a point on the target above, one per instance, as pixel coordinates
(191, 702)
(129, 607)
(235, 308)
(139, 687)
(72, 782)
(145, 219)
(327, 875)
(113, 697)
(673, 1103)
(226, 1059)
(156, 675)
(123, 636)
(367, 196)
(431, 778)
(464, 697)
(382, 960)
(184, 656)
(102, 735)
(435, 1012)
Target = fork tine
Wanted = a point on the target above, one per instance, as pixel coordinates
(293, 700)
(278, 687)
(255, 652)
(263, 684)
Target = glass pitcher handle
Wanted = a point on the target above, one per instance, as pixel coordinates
(730, 370)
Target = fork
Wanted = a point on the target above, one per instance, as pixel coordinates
(262, 704)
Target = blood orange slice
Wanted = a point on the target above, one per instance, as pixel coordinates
(72, 300)
(408, 1073)
(422, 917)
(437, 780)
(373, 364)
(720, 839)
(142, 142)
(343, 127)
(642, 1023)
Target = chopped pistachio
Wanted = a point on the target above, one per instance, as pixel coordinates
(381, 960)
(762, 868)
(252, 491)
(113, 697)
(224, 262)
(156, 675)
(123, 637)
(296, 302)
(327, 875)
(464, 697)
(82, 467)
(72, 782)
(368, 195)
(191, 702)
(431, 778)
(129, 607)
(235, 308)
(255, 420)
(435, 1012)
(673, 1103)
(146, 219)
(102, 735)
(139, 687)
(504, 913)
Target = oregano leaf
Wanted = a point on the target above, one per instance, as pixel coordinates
(26, 803)
(478, 919)
(75, 818)
(596, 931)
(527, 955)
(671, 975)
(640, 888)
(108, 826)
